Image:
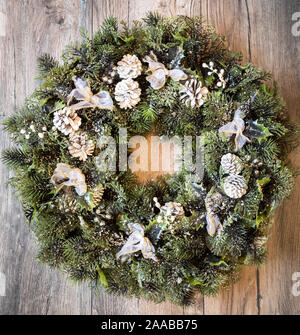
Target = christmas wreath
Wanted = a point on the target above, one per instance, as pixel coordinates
(175, 235)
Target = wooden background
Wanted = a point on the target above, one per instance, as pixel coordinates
(261, 30)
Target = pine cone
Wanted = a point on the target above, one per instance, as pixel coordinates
(97, 193)
(68, 204)
(259, 242)
(129, 67)
(193, 94)
(67, 121)
(172, 209)
(231, 164)
(63, 91)
(215, 202)
(127, 93)
(79, 146)
(235, 186)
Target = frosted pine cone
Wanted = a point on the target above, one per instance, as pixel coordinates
(231, 164)
(97, 193)
(193, 94)
(259, 242)
(172, 209)
(235, 186)
(127, 93)
(67, 121)
(215, 202)
(68, 204)
(79, 146)
(129, 67)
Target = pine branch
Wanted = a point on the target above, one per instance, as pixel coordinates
(16, 158)
(45, 63)
(153, 18)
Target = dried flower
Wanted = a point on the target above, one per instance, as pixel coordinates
(236, 127)
(213, 223)
(214, 202)
(74, 177)
(159, 72)
(137, 242)
(87, 99)
(170, 210)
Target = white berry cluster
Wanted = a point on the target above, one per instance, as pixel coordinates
(220, 74)
(32, 130)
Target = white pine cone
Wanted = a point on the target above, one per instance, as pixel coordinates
(231, 164)
(79, 146)
(66, 120)
(97, 193)
(127, 93)
(68, 204)
(235, 186)
(129, 67)
(172, 209)
(193, 94)
(214, 202)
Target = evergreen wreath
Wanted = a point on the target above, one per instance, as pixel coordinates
(169, 238)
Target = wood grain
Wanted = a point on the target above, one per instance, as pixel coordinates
(28, 28)
(32, 27)
(277, 50)
(105, 8)
(138, 9)
(239, 299)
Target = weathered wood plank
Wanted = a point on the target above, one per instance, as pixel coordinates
(138, 9)
(105, 8)
(197, 308)
(231, 19)
(240, 299)
(108, 304)
(32, 28)
(277, 50)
